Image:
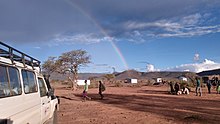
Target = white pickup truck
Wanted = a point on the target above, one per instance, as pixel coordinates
(26, 97)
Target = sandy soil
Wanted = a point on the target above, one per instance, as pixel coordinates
(142, 105)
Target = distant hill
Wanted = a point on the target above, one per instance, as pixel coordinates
(131, 74)
(128, 74)
(152, 75)
(210, 72)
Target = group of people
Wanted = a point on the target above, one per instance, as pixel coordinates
(85, 91)
(208, 84)
(175, 89)
(216, 83)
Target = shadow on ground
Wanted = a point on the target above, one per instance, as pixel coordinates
(182, 108)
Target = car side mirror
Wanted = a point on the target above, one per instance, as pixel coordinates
(50, 92)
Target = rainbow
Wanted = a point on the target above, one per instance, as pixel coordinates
(116, 49)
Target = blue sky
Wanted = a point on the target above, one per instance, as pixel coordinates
(145, 35)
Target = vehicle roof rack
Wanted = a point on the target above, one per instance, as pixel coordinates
(18, 56)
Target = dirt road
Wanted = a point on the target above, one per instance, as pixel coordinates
(142, 105)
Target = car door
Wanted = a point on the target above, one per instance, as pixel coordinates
(45, 100)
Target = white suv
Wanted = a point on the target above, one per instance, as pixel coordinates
(26, 97)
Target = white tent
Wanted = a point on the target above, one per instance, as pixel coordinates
(82, 82)
(158, 80)
(133, 81)
(183, 78)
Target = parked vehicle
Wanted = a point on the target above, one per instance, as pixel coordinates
(26, 97)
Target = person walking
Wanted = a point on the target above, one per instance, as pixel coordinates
(101, 89)
(85, 91)
(198, 87)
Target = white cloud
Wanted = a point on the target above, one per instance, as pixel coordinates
(198, 67)
(37, 47)
(159, 24)
(137, 33)
(186, 26)
(79, 39)
(150, 68)
(191, 19)
(206, 61)
(135, 36)
(196, 57)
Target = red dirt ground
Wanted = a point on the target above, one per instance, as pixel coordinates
(142, 105)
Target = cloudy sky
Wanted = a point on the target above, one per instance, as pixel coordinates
(145, 35)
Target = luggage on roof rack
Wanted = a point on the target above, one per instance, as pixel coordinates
(13, 54)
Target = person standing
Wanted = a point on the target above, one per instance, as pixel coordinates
(218, 87)
(85, 91)
(101, 89)
(172, 91)
(177, 87)
(209, 85)
(198, 87)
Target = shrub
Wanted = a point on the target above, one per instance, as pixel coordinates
(93, 85)
(118, 84)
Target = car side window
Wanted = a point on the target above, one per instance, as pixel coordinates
(15, 84)
(9, 81)
(29, 81)
(43, 91)
(4, 84)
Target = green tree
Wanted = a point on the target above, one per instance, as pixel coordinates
(109, 76)
(49, 66)
(69, 62)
